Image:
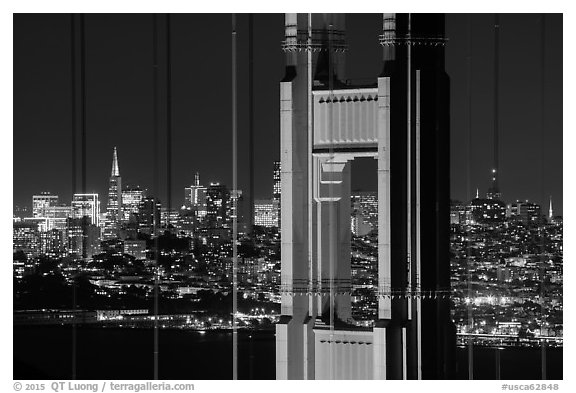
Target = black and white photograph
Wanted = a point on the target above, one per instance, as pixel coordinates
(221, 195)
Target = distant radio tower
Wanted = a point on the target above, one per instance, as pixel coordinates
(494, 190)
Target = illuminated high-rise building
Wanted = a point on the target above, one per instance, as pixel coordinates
(190, 193)
(525, 211)
(86, 205)
(83, 237)
(40, 222)
(114, 207)
(487, 211)
(201, 208)
(364, 205)
(217, 201)
(195, 197)
(26, 238)
(56, 216)
(41, 202)
(45, 206)
(187, 222)
(266, 213)
(82, 228)
(169, 218)
(277, 187)
(53, 243)
(131, 199)
(149, 216)
(240, 212)
(459, 213)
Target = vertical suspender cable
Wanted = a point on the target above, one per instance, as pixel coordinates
(250, 144)
(73, 96)
(542, 125)
(83, 111)
(155, 126)
(416, 285)
(251, 119)
(409, 177)
(168, 121)
(496, 94)
(311, 305)
(496, 168)
(83, 131)
(234, 207)
(82, 121)
(74, 156)
(409, 146)
(468, 185)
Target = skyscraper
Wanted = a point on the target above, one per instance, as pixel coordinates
(45, 206)
(149, 216)
(237, 209)
(487, 211)
(217, 201)
(26, 238)
(83, 228)
(277, 190)
(114, 207)
(364, 206)
(52, 243)
(41, 202)
(169, 218)
(86, 205)
(526, 212)
(195, 197)
(56, 216)
(131, 199)
(82, 237)
(266, 213)
(277, 187)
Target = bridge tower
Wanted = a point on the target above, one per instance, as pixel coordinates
(402, 121)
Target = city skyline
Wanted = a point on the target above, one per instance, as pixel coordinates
(354, 196)
(45, 198)
(119, 88)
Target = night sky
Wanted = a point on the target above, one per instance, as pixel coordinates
(120, 110)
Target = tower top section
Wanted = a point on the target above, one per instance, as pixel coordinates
(300, 27)
(322, 35)
(115, 168)
(423, 33)
(413, 30)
